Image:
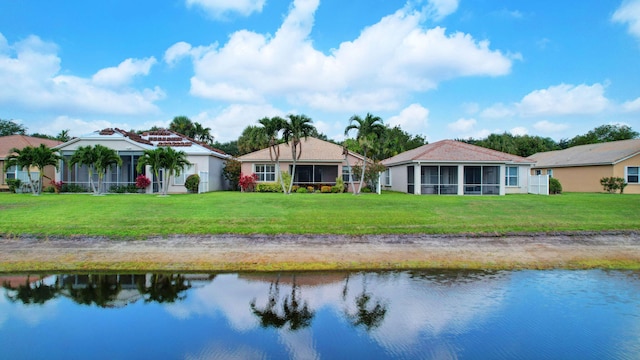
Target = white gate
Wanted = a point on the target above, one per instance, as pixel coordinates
(539, 184)
(204, 182)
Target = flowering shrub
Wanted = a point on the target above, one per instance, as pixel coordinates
(142, 182)
(325, 189)
(248, 182)
(57, 185)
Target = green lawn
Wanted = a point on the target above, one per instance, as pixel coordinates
(140, 216)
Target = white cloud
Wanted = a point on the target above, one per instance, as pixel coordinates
(395, 56)
(629, 13)
(31, 76)
(228, 123)
(519, 131)
(548, 127)
(124, 72)
(462, 125)
(439, 9)
(78, 127)
(412, 119)
(631, 106)
(498, 110)
(564, 99)
(219, 8)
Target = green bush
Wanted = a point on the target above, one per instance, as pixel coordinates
(272, 187)
(14, 184)
(192, 183)
(49, 189)
(73, 188)
(611, 184)
(325, 189)
(286, 179)
(554, 186)
(339, 186)
(311, 189)
(302, 190)
(337, 189)
(365, 189)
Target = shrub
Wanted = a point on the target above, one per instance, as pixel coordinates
(339, 185)
(286, 179)
(325, 189)
(49, 189)
(132, 188)
(295, 188)
(366, 189)
(554, 186)
(273, 187)
(302, 190)
(337, 189)
(14, 184)
(611, 184)
(57, 186)
(231, 172)
(248, 182)
(311, 189)
(118, 189)
(142, 182)
(192, 183)
(73, 188)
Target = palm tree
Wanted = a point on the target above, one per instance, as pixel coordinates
(296, 127)
(173, 162)
(38, 157)
(369, 130)
(253, 138)
(104, 159)
(183, 125)
(152, 158)
(85, 155)
(63, 135)
(202, 133)
(272, 127)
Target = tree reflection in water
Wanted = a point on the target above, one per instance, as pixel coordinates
(294, 313)
(165, 288)
(39, 293)
(370, 316)
(98, 290)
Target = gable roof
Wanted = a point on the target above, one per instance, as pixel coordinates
(313, 149)
(21, 141)
(455, 152)
(608, 153)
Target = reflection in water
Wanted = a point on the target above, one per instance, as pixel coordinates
(413, 314)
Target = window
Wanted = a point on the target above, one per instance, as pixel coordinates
(386, 177)
(550, 173)
(182, 178)
(10, 173)
(632, 174)
(345, 174)
(266, 172)
(538, 172)
(511, 178)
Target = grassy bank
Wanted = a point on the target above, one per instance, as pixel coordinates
(140, 216)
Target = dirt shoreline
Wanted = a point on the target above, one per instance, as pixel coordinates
(322, 252)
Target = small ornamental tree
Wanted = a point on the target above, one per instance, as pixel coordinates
(192, 183)
(611, 184)
(142, 182)
(554, 186)
(231, 172)
(248, 182)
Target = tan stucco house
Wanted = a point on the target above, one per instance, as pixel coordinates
(19, 142)
(580, 168)
(320, 163)
(450, 167)
(205, 160)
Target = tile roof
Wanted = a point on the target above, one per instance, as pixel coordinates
(592, 154)
(20, 141)
(453, 151)
(313, 149)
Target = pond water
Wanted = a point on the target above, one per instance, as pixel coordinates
(553, 314)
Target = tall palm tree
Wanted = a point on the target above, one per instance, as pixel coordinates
(173, 162)
(272, 126)
(153, 159)
(85, 155)
(369, 130)
(38, 157)
(296, 127)
(63, 135)
(202, 133)
(104, 159)
(183, 125)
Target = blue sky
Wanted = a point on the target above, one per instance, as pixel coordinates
(443, 69)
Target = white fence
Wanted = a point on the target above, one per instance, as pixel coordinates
(539, 184)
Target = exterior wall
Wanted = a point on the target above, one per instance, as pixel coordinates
(523, 180)
(580, 178)
(619, 171)
(398, 179)
(201, 163)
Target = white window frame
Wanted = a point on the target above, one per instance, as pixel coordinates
(180, 180)
(386, 177)
(626, 174)
(345, 173)
(263, 171)
(508, 176)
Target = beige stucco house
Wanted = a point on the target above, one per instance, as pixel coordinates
(19, 142)
(204, 160)
(320, 163)
(450, 167)
(580, 168)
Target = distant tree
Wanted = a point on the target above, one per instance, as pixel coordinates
(183, 125)
(521, 145)
(295, 128)
(10, 127)
(604, 133)
(394, 141)
(369, 130)
(272, 127)
(253, 138)
(43, 136)
(202, 133)
(230, 147)
(63, 135)
(28, 157)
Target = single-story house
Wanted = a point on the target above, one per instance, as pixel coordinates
(19, 142)
(320, 163)
(580, 168)
(456, 168)
(205, 160)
